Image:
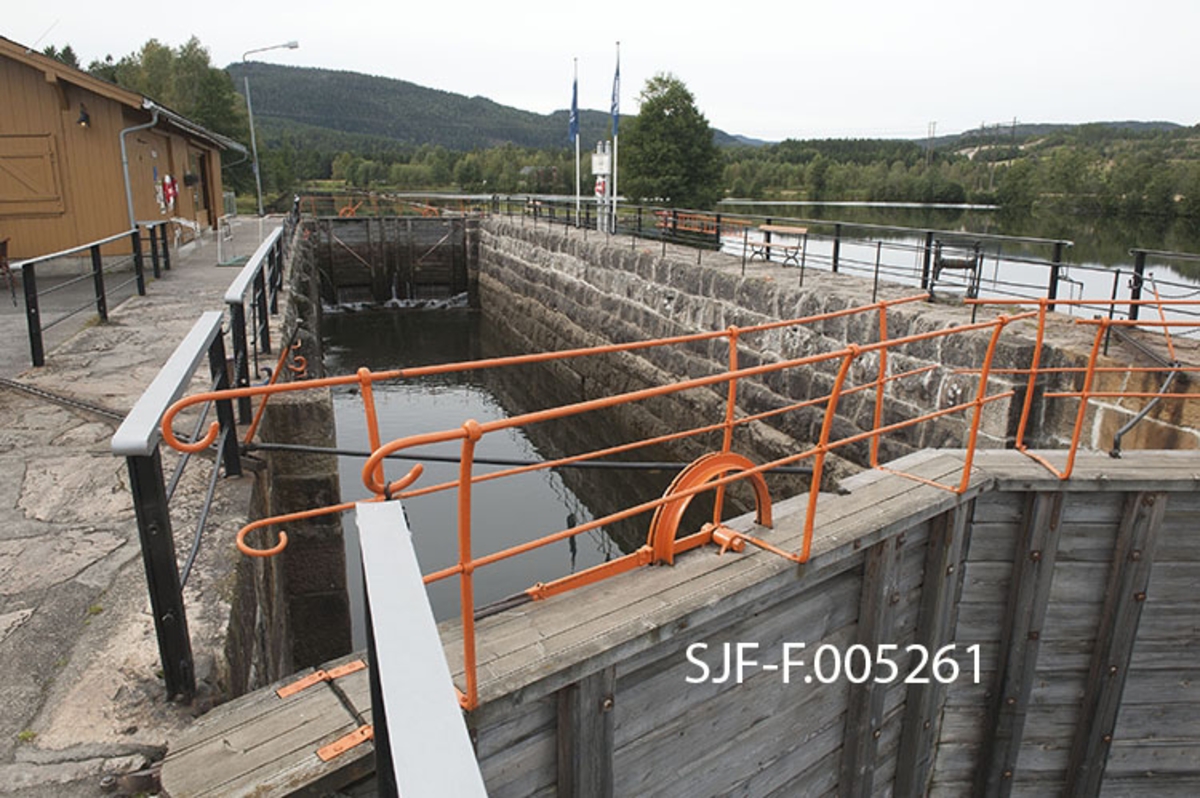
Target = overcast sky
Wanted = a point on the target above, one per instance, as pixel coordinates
(770, 70)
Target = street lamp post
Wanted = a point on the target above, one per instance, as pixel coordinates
(292, 45)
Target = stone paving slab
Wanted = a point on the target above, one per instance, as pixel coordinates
(82, 693)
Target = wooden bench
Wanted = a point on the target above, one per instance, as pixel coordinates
(791, 253)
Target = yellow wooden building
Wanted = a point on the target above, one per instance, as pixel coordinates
(79, 156)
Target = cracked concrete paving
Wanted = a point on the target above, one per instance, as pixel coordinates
(81, 695)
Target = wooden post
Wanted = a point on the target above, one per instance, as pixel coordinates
(876, 626)
(949, 542)
(1028, 595)
(1133, 558)
(585, 736)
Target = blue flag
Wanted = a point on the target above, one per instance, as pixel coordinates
(616, 98)
(573, 124)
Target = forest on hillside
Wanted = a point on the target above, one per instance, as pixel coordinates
(1090, 169)
(374, 133)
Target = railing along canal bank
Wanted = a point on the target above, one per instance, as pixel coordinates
(138, 441)
(957, 261)
(864, 370)
(949, 261)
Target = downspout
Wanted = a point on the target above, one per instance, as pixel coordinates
(125, 159)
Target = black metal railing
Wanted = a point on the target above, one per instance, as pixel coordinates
(139, 436)
(137, 440)
(98, 270)
(941, 261)
(34, 298)
(260, 282)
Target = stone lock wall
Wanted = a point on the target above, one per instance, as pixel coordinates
(292, 610)
(555, 289)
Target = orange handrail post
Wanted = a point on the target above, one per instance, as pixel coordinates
(880, 381)
(372, 418)
(822, 448)
(730, 411)
(466, 577)
(1084, 396)
(1023, 424)
(979, 401)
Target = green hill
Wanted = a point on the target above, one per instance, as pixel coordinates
(372, 110)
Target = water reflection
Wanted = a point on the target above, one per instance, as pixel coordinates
(1103, 241)
(505, 513)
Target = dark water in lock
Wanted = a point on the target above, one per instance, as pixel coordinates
(505, 512)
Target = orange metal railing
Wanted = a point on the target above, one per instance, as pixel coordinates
(1089, 371)
(714, 472)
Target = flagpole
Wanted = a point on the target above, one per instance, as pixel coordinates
(575, 111)
(616, 137)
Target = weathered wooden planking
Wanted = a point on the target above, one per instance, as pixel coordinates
(948, 546)
(685, 594)
(1094, 471)
(1148, 686)
(1033, 571)
(818, 779)
(262, 745)
(876, 626)
(585, 736)
(494, 732)
(1146, 785)
(354, 689)
(606, 599)
(1172, 721)
(737, 730)
(1166, 760)
(1116, 635)
(523, 768)
(808, 618)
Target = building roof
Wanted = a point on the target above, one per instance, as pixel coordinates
(55, 70)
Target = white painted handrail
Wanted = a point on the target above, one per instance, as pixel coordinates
(431, 752)
(17, 264)
(241, 283)
(139, 433)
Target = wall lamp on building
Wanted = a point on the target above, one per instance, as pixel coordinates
(84, 120)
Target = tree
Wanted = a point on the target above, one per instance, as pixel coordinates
(184, 80)
(668, 155)
(66, 55)
(1018, 189)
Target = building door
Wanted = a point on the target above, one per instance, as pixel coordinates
(196, 181)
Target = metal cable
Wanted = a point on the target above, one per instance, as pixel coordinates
(634, 465)
(208, 500)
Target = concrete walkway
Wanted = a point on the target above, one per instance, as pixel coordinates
(80, 691)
